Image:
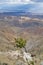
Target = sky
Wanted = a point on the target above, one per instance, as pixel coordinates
(33, 6)
(20, 1)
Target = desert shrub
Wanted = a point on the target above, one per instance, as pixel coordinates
(32, 62)
(20, 42)
(4, 64)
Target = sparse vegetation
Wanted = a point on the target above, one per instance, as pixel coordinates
(32, 62)
(3, 63)
(20, 42)
(15, 26)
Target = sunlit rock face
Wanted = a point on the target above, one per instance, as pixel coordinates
(18, 54)
(41, 63)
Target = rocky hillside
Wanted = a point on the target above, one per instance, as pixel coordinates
(28, 28)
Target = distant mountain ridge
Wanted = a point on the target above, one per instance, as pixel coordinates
(29, 14)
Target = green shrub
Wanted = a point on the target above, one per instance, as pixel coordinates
(20, 42)
(4, 64)
(32, 62)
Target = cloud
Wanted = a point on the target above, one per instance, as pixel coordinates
(34, 6)
(37, 9)
(16, 1)
(20, 1)
(37, 0)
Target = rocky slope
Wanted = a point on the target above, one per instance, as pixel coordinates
(29, 28)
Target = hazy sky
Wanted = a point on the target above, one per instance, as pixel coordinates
(16, 1)
(19, 1)
(36, 5)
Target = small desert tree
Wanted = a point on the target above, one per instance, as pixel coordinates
(20, 42)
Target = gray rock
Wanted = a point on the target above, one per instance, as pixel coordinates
(41, 63)
(20, 62)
